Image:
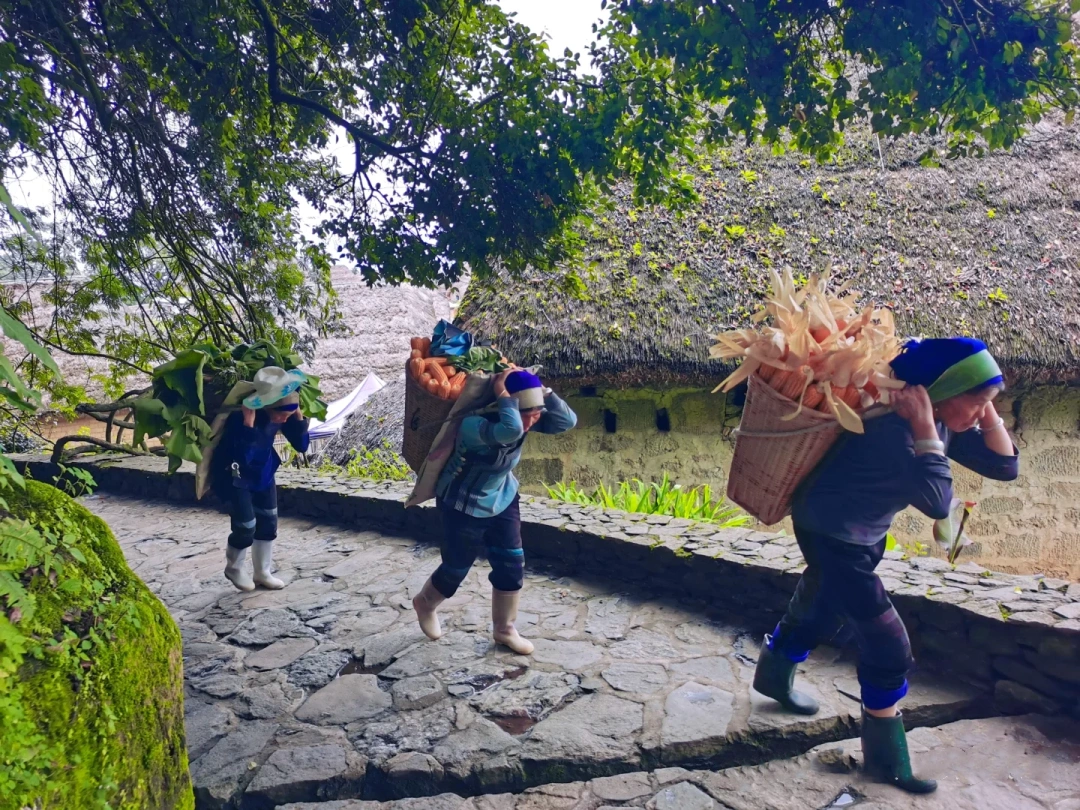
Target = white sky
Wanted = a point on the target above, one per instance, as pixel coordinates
(567, 23)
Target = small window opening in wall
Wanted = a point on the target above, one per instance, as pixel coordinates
(663, 421)
(610, 421)
(588, 390)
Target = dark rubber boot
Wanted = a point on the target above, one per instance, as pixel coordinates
(885, 754)
(775, 677)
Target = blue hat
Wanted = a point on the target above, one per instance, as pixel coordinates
(526, 388)
(947, 367)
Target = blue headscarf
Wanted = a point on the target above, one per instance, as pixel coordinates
(947, 366)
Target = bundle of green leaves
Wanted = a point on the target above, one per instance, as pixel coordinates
(189, 392)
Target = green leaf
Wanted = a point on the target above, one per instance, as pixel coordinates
(184, 376)
(8, 471)
(15, 330)
(16, 214)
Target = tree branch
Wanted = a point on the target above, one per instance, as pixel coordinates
(104, 113)
(198, 64)
(971, 36)
(278, 95)
(58, 454)
(59, 347)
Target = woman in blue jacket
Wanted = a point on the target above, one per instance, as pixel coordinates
(243, 468)
(843, 512)
(477, 495)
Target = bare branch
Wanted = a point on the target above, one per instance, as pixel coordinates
(284, 97)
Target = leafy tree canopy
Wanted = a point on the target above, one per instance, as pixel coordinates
(183, 134)
(977, 71)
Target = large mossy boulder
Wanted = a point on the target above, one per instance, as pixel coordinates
(91, 677)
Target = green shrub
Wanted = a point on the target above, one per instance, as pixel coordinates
(664, 498)
(378, 464)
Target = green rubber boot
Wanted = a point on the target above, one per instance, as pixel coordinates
(775, 678)
(885, 754)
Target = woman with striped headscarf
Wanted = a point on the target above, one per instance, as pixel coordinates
(843, 512)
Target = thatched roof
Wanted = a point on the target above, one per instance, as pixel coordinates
(377, 423)
(982, 246)
(378, 323)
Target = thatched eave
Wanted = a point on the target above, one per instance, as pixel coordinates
(981, 246)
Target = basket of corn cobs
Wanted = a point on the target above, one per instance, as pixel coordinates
(816, 365)
(440, 376)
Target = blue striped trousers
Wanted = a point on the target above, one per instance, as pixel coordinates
(464, 535)
(253, 515)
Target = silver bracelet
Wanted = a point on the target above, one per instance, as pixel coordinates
(923, 446)
(999, 424)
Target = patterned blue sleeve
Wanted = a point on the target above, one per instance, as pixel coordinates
(559, 417)
(477, 432)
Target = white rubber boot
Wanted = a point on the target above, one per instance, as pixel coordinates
(261, 558)
(425, 603)
(504, 610)
(235, 571)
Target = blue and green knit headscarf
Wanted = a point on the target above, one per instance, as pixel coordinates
(947, 367)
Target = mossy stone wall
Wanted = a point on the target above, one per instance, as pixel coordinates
(93, 716)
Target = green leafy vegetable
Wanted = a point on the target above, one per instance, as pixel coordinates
(190, 390)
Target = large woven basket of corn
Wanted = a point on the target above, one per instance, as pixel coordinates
(425, 414)
(773, 455)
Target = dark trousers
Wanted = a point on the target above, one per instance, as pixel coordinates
(253, 516)
(464, 535)
(839, 587)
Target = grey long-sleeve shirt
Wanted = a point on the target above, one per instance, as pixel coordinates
(866, 479)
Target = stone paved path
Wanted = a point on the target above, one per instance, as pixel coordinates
(1026, 763)
(327, 689)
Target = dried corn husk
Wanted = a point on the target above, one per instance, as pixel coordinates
(820, 349)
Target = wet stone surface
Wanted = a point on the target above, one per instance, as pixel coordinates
(327, 689)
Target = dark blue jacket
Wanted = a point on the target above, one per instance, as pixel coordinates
(858, 488)
(252, 450)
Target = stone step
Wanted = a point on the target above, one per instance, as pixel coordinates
(1018, 763)
(327, 689)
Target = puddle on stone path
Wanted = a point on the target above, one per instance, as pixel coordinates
(483, 681)
(744, 646)
(514, 725)
(356, 667)
(849, 797)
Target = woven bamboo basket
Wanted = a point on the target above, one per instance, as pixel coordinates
(424, 417)
(772, 457)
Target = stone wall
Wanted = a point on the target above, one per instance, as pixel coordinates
(618, 438)
(1028, 526)
(1015, 636)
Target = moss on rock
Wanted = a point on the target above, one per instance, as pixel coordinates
(91, 679)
